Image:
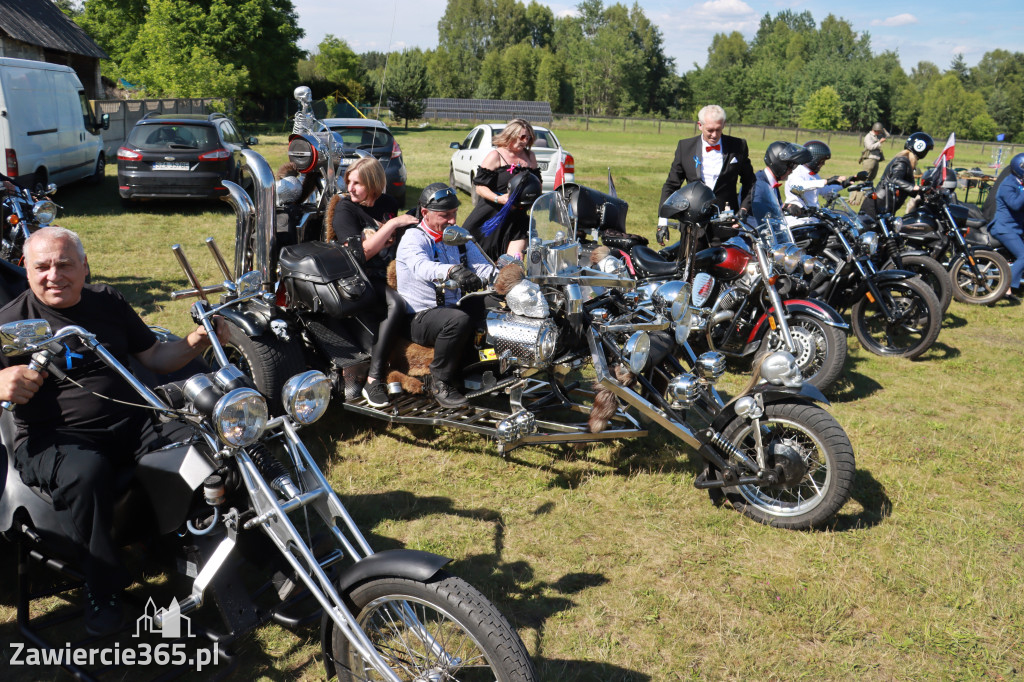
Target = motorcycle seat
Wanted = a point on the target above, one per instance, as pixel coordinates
(622, 240)
(980, 236)
(651, 261)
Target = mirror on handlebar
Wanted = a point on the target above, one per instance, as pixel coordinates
(16, 337)
(454, 235)
(249, 284)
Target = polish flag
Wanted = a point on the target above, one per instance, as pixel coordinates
(945, 157)
(560, 173)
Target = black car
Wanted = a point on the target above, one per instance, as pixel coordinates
(374, 137)
(180, 156)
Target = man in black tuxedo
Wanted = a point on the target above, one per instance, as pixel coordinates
(715, 159)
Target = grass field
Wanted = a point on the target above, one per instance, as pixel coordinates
(608, 561)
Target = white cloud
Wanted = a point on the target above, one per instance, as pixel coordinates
(898, 20)
(722, 16)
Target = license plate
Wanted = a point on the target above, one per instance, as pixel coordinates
(171, 165)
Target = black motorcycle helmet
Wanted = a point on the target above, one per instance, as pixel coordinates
(783, 157)
(820, 153)
(693, 203)
(438, 196)
(920, 144)
(529, 188)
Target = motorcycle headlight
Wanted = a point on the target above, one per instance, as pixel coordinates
(666, 296)
(240, 416)
(611, 265)
(637, 350)
(546, 342)
(306, 396)
(792, 258)
(683, 390)
(809, 264)
(869, 242)
(44, 211)
(526, 299)
(896, 223)
(779, 253)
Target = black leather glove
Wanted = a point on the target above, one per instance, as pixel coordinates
(467, 280)
(794, 210)
(662, 234)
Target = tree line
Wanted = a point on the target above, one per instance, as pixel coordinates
(604, 60)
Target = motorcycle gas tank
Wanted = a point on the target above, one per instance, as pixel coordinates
(810, 234)
(726, 263)
(919, 223)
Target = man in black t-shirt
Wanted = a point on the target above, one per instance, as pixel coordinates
(71, 443)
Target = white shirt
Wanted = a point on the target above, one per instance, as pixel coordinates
(710, 163)
(811, 184)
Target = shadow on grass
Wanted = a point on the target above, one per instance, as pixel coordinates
(875, 503)
(145, 294)
(940, 351)
(952, 321)
(852, 385)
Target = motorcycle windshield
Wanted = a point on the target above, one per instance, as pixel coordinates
(771, 225)
(553, 249)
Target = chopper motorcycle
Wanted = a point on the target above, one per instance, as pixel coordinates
(237, 492)
(555, 365)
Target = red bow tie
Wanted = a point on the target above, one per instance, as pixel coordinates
(714, 147)
(775, 185)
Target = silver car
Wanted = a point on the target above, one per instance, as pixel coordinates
(471, 151)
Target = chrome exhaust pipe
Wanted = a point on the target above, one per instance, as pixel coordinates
(260, 232)
(245, 216)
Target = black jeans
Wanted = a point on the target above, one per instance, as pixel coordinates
(390, 327)
(82, 471)
(447, 330)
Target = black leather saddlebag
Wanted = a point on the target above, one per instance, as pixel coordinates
(324, 278)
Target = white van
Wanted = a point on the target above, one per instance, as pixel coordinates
(47, 130)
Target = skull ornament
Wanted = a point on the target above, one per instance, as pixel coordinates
(780, 369)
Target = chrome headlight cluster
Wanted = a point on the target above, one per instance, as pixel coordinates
(240, 417)
(306, 396)
(809, 264)
(610, 265)
(710, 366)
(527, 299)
(869, 242)
(668, 293)
(896, 223)
(682, 391)
(44, 211)
(787, 256)
(637, 350)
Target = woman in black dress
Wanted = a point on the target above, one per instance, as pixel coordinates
(367, 220)
(511, 155)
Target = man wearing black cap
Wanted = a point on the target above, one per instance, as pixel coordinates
(425, 260)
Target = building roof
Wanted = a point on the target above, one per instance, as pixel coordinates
(40, 22)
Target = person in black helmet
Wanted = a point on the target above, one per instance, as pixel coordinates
(898, 177)
(424, 259)
(780, 159)
(807, 177)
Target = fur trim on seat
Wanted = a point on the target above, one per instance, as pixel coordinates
(408, 361)
(599, 254)
(287, 170)
(329, 235)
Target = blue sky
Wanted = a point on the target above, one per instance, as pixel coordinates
(932, 31)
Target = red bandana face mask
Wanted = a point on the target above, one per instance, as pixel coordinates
(436, 236)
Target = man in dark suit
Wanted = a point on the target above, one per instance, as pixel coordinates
(716, 160)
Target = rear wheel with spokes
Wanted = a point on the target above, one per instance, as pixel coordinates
(443, 629)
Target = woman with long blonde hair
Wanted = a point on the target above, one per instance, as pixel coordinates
(511, 155)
